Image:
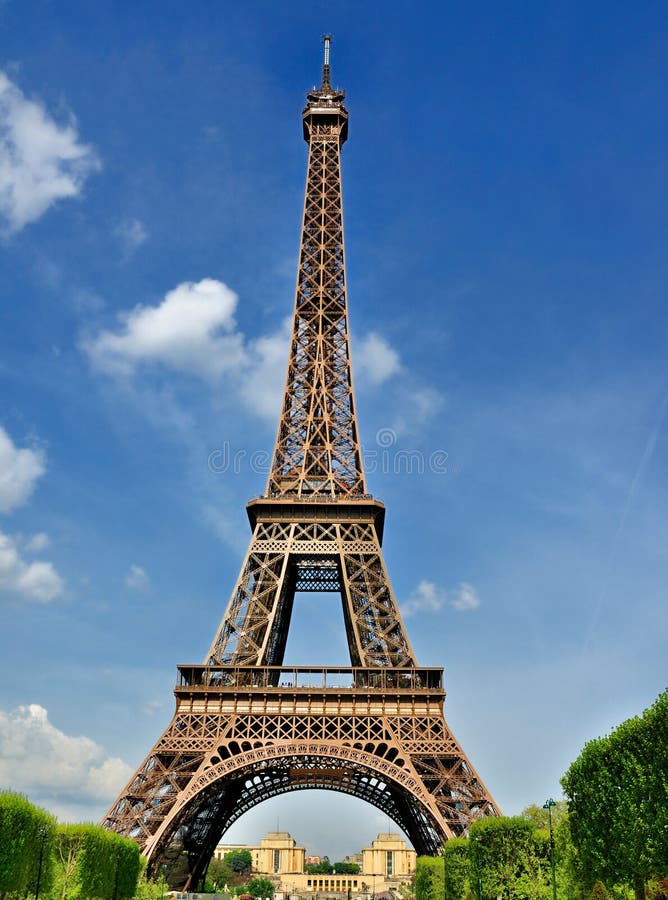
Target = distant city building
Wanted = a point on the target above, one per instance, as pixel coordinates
(389, 857)
(387, 863)
(277, 854)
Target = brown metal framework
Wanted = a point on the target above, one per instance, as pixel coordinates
(246, 727)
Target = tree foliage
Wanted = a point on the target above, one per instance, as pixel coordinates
(429, 878)
(509, 858)
(617, 792)
(260, 888)
(92, 862)
(599, 892)
(324, 867)
(219, 874)
(64, 861)
(26, 846)
(456, 868)
(148, 888)
(345, 868)
(239, 860)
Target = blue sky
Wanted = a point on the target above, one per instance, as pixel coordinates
(506, 225)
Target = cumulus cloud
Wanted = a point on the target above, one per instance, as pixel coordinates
(36, 582)
(137, 579)
(131, 234)
(465, 598)
(192, 331)
(375, 360)
(19, 471)
(263, 384)
(417, 406)
(151, 707)
(41, 161)
(37, 542)
(38, 759)
(426, 597)
(429, 597)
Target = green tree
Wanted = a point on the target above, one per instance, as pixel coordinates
(239, 861)
(599, 892)
(571, 880)
(617, 792)
(345, 868)
(26, 842)
(429, 878)
(540, 816)
(509, 858)
(147, 888)
(219, 874)
(324, 867)
(456, 868)
(93, 862)
(260, 888)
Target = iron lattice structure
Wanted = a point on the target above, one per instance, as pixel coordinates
(246, 727)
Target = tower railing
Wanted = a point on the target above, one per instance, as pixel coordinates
(319, 678)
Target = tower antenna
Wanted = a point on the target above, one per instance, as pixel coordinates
(326, 83)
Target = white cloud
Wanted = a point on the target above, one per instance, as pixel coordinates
(466, 598)
(38, 759)
(193, 331)
(426, 597)
(137, 579)
(151, 707)
(375, 360)
(264, 380)
(37, 582)
(19, 470)
(37, 542)
(182, 333)
(429, 597)
(417, 406)
(131, 233)
(40, 161)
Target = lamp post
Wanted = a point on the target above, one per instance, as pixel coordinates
(444, 884)
(477, 866)
(548, 806)
(118, 861)
(41, 860)
(163, 872)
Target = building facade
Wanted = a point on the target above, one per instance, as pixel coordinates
(388, 863)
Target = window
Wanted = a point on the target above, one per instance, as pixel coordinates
(388, 862)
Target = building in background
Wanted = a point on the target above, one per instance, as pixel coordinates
(277, 854)
(389, 858)
(387, 864)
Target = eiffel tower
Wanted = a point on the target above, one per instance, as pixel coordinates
(246, 726)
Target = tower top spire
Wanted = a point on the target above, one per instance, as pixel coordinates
(325, 100)
(326, 83)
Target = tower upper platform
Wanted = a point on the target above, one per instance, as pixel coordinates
(325, 104)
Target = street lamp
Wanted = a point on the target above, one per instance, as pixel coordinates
(444, 879)
(43, 836)
(163, 871)
(118, 862)
(476, 857)
(548, 806)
